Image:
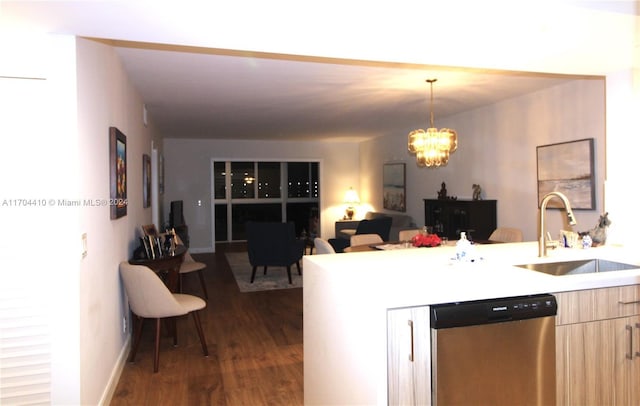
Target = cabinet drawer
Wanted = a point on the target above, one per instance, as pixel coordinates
(597, 304)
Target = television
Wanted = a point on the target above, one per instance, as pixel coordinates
(176, 216)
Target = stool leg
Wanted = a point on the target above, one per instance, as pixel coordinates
(137, 328)
(173, 322)
(196, 319)
(156, 358)
(204, 285)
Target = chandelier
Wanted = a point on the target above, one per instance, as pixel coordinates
(433, 147)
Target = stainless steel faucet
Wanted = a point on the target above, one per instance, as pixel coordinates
(542, 243)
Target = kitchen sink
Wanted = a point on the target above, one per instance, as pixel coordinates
(578, 266)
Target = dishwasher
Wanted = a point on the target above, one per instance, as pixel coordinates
(494, 352)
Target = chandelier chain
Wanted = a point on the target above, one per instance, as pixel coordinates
(431, 107)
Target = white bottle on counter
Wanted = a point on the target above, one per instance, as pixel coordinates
(463, 248)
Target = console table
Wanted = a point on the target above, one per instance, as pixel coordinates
(448, 217)
(345, 224)
(167, 266)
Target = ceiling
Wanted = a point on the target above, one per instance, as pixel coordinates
(204, 93)
(198, 91)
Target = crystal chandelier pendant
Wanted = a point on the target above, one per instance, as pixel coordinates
(432, 147)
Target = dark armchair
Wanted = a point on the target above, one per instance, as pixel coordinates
(379, 225)
(273, 244)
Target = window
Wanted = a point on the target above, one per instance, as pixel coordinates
(302, 179)
(257, 195)
(242, 180)
(268, 180)
(219, 176)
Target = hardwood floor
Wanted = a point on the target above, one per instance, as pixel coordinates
(254, 341)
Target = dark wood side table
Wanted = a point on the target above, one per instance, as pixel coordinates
(168, 265)
(345, 224)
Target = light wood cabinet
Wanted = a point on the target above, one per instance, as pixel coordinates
(409, 356)
(598, 347)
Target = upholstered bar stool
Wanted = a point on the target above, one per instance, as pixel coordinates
(149, 298)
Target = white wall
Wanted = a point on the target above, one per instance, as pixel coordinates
(59, 155)
(497, 149)
(105, 98)
(188, 176)
(41, 251)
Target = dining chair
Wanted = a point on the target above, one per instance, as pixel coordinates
(506, 234)
(191, 265)
(406, 235)
(149, 298)
(363, 239)
(323, 246)
(379, 225)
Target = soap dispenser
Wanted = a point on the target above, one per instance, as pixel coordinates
(463, 247)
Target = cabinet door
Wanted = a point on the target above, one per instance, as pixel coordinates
(634, 374)
(409, 356)
(596, 362)
(482, 218)
(449, 217)
(598, 304)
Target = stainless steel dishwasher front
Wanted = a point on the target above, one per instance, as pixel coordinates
(494, 352)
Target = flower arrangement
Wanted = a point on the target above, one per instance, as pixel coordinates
(425, 240)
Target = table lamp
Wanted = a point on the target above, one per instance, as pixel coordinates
(351, 198)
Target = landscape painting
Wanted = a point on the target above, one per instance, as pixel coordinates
(567, 167)
(393, 187)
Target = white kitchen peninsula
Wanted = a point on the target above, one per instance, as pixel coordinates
(347, 296)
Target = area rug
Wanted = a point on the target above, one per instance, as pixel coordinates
(276, 277)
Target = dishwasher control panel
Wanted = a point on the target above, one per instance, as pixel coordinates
(470, 313)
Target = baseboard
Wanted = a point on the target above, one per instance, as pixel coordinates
(110, 389)
(205, 250)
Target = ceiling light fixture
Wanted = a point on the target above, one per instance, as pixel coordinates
(433, 147)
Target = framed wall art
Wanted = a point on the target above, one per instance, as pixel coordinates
(146, 181)
(149, 230)
(567, 167)
(393, 187)
(161, 174)
(117, 173)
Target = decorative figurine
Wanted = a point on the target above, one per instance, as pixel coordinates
(598, 234)
(477, 192)
(442, 194)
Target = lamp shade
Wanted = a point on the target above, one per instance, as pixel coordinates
(351, 197)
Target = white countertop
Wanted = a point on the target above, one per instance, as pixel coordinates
(421, 276)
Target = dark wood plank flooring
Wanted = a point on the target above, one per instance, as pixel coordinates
(254, 341)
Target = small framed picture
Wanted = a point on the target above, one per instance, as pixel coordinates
(149, 230)
(393, 187)
(117, 173)
(146, 181)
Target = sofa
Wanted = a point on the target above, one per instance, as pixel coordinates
(399, 222)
